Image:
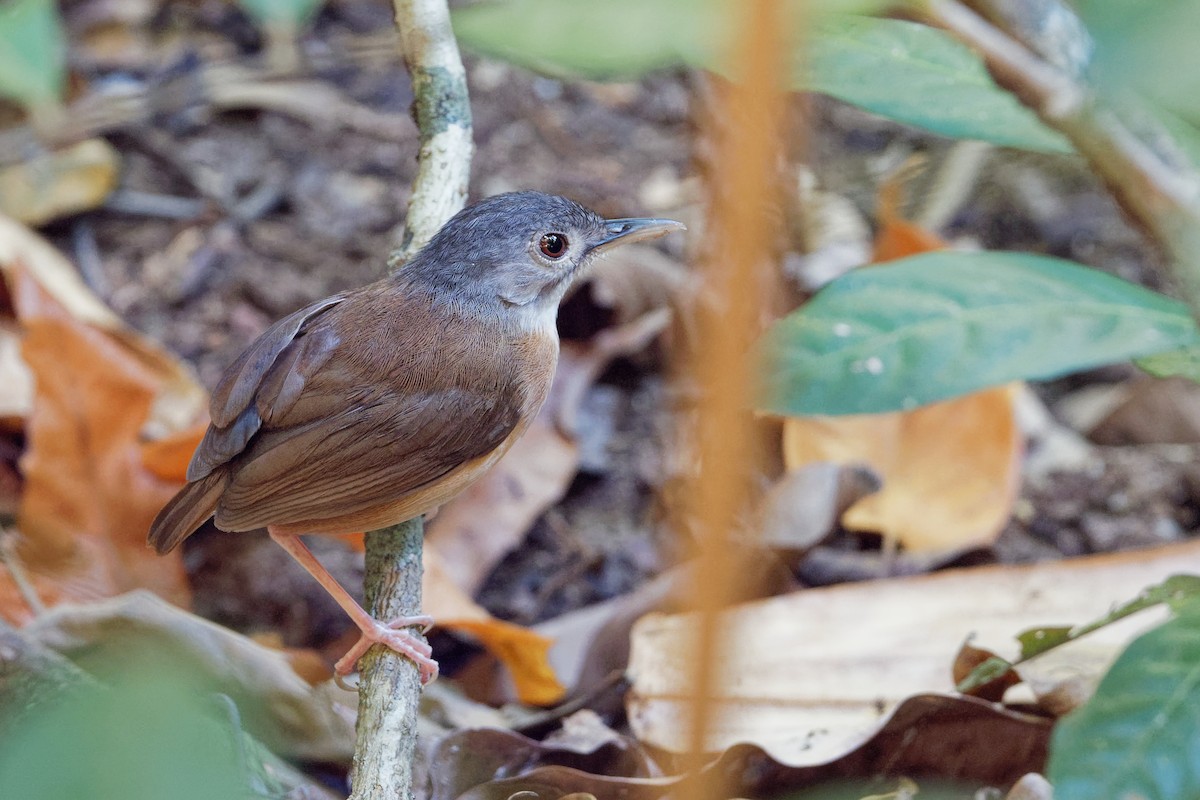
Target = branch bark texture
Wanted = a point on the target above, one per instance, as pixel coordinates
(390, 687)
(442, 112)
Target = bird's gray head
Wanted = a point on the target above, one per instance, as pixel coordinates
(521, 249)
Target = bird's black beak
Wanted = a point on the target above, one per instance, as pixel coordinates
(626, 231)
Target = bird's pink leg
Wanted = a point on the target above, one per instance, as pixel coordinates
(391, 635)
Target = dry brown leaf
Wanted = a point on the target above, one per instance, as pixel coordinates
(524, 652)
(180, 398)
(168, 458)
(475, 530)
(950, 470)
(955, 738)
(897, 237)
(968, 659)
(813, 674)
(468, 758)
(87, 501)
(60, 182)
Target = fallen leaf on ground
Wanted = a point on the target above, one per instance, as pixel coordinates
(467, 759)
(897, 237)
(61, 182)
(804, 506)
(180, 398)
(950, 470)
(168, 458)
(87, 501)
(523, 652)
(956, 738)
(813, 674)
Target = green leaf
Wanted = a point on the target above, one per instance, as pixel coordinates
(289, 14)
(1147, 49)
(1182, 363)
(902, 70)
(583, 38)
(921, 76)
(1036, 641)
(1175, 591)
(992, 669)
(1140, 734)
(33, 52)
(616, 38)
(154, 734)
(942, 324)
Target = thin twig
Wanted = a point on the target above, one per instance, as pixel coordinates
(390, 685)
(443, 115)
(1157, 192)
(223, 85)
(12, 559)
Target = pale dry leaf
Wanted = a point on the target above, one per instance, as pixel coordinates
(21, 247)
(58, 183)
(1031, 787)
(950, 470)
(16, 381)
(803, 507)
(832, 234)
(811, 675)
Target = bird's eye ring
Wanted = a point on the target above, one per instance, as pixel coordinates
(553, 245)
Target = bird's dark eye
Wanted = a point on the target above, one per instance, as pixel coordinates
(553, 245)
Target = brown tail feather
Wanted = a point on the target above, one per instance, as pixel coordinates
(187, 511)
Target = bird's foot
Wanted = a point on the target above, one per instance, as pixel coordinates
(394, 636)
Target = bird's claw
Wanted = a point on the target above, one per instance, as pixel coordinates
(394, 636)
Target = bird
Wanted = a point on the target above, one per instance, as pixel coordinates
(380, 404)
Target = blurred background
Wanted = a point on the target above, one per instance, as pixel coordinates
(175, 176)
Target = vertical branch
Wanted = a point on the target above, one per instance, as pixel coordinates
(390, 687)
(743, 191)
(442, 112)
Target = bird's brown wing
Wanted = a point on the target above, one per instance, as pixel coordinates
(347, 406)
(371, 455)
